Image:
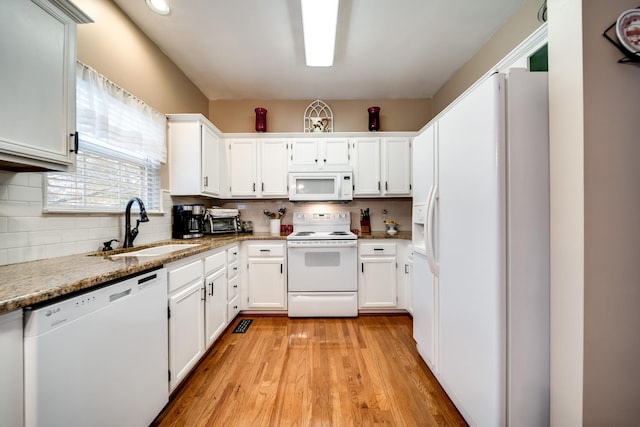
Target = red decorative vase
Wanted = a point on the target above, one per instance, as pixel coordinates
(261, 119)
(374, 118)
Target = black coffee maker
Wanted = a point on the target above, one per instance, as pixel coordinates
(188, 221)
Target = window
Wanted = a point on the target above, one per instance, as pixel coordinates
(121, 147)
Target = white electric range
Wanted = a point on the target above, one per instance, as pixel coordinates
(322, 266)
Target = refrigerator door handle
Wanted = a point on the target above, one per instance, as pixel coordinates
(430, 249)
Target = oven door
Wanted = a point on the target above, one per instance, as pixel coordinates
(317, 268)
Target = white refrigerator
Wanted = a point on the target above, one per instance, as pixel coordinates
(481, 310)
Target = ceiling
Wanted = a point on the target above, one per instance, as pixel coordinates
(253, 49)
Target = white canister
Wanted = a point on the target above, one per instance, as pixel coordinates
(274, 227)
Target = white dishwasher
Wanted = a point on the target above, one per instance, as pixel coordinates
(99, 358)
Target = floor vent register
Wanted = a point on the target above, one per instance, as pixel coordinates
(242, 326)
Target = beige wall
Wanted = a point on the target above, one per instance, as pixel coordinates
(395, 114)
(349, 115)
(515, 31)
(115, 47)
(612, 230)
(595, 209)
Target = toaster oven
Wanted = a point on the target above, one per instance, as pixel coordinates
(213, 225)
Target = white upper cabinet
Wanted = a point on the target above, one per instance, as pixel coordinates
(257, 167)
(273, 167)
(366, 167)
(320, 152)
(396, 166)
(203, 162)
(37, 83)
(196, 156)
(381, 166)
(211, 161)
(243, 171)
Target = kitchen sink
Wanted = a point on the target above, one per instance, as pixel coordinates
(156, 250)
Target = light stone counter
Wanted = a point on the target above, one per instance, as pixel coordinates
(33, 282)
(29, 283)
(402, 235)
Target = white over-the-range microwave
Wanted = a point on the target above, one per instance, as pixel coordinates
(321, 185)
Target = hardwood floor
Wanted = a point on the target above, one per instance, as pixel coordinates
(313, 372)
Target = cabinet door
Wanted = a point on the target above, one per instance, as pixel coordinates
(210, 162)
(273, 168)
(233, 308)
(366, 167)
(242, 167)
(215, 308)
(334, 151)
(186, 331)
(267, 284)
(397, 166)
(11, 369)
(408, 284)
(37, 82)
(377, 284)
(304, 152)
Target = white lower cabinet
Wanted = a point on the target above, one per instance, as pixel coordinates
(186, 317)
(233, 305)
(267, 276)
(198, 307)
(11, 370)
(233, 283)
(215, 303)
(377, 275)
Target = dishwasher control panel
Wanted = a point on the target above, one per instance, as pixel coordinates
(42, 319)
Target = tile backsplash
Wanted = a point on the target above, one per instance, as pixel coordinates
(398, 209)
(28, 234)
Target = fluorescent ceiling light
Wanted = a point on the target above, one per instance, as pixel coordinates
(161, 7)
(319, 22)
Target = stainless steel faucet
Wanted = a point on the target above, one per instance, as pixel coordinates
(129, 234)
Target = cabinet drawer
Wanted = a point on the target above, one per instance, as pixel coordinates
(233, 308)
(265, 250)
(185, 275)
(233, 254)
(233, 288)
(215, 261)
(377, 249)
(232, 270)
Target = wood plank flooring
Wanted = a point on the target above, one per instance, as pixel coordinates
(313, 372)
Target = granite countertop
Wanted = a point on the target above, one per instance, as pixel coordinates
(29, 283)
(403, 235)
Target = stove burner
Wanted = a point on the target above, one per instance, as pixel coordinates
(338, 233)
(304, 233)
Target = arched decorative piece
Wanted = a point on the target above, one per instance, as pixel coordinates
(318, 117)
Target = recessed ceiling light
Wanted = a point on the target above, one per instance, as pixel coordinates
(161, 7)
(319, 23)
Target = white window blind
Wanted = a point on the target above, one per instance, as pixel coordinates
(121, 147)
